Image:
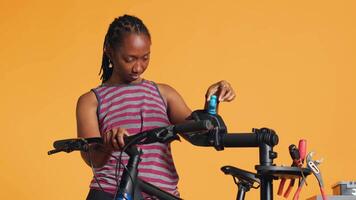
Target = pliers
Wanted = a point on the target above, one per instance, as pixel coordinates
(313, 166)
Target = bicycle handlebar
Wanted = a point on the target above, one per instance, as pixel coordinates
(162, 134)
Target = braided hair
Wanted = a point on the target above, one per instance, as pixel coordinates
(114, 37)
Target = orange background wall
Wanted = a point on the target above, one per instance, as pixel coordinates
(292, 64)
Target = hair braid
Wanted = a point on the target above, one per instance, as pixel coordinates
(118, 28)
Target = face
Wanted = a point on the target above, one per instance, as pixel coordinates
(131, 59)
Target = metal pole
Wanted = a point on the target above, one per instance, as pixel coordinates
(266, 192)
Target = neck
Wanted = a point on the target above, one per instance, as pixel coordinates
(113, 81)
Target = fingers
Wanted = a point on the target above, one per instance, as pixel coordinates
(114, 139)
(228, 94)
(211, 90)
(120, 137)
(223, 90)
(106, 137)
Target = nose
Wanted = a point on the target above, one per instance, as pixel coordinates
(137, 67)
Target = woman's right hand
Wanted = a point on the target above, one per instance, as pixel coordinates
(114, 139)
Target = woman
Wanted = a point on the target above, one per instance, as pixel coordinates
(126, 104)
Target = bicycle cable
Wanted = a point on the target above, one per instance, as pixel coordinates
(93, 168)
(119, 164)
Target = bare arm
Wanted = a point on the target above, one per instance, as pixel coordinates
(87, 126)
(177, 109)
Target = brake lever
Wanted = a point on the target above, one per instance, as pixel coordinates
(69, 145)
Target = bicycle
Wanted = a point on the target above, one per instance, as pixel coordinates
(204, 130)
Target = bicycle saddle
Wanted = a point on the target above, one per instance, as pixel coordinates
(242, 175)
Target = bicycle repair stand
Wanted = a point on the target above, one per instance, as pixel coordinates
(266, 170)
(265, 139)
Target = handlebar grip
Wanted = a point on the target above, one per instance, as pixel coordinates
(73, 144)
(193, 126)
(59, 144)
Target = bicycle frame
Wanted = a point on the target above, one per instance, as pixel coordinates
(130, 182)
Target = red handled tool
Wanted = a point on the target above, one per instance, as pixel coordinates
(294, 153)
(313, 166)
(302, 152)
(281, 186)
(298, 156)
(289, 189)
(300, 186)
(302, 149)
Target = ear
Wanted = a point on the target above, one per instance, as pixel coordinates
(108, 52)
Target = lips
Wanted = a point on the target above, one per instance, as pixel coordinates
(134, 76)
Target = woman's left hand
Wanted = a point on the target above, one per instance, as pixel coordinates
(222, 90)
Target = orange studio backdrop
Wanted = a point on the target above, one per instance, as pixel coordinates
(292, 64)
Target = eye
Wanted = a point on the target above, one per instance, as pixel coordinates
(146, 57)
(129, 59)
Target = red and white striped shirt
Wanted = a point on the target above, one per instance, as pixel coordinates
(135, 107)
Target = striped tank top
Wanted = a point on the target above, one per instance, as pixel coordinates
(136, 108)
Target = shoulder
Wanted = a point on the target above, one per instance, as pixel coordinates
(170, 95)
(87, 99)
(165, 87)
(166, 90)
